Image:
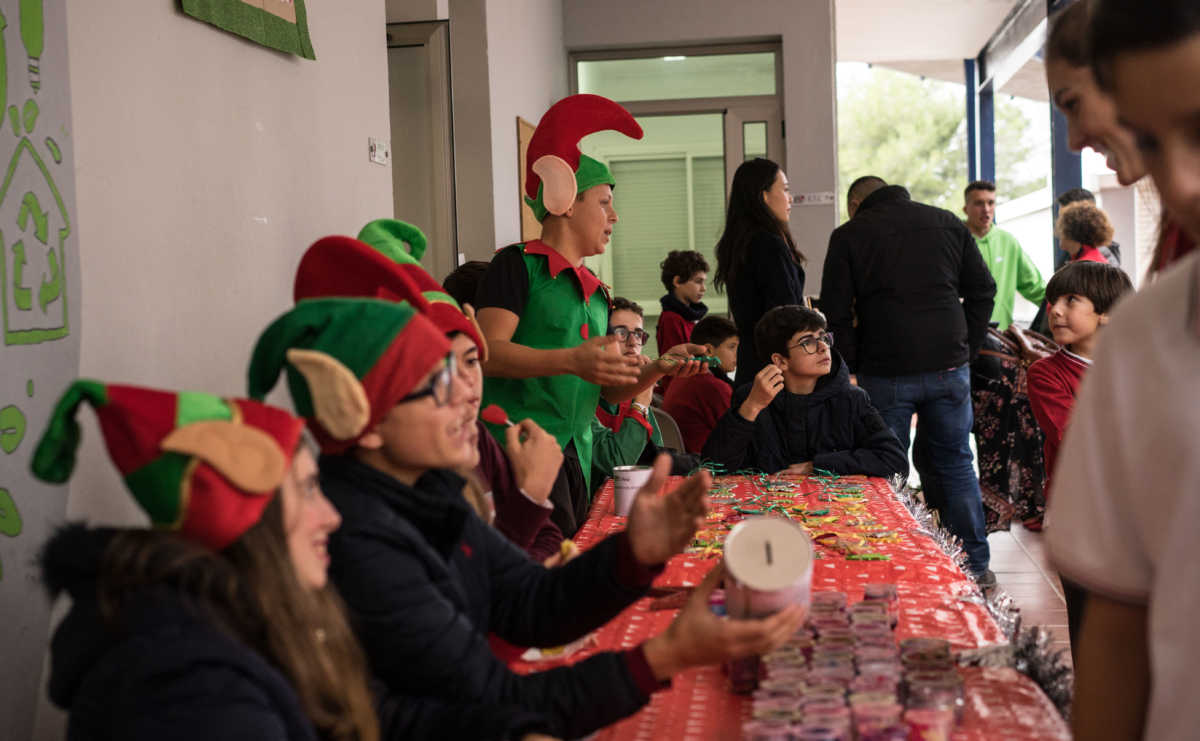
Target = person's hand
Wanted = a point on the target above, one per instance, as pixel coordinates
(599, 361)
(767, 385)
(800, 469)
(646, 397)
(679, 361)
(661, 526)
(535, 457)
(565, 554)
(697, 637)
(853, 379)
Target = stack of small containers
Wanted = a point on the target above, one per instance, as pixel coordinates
(842, 678)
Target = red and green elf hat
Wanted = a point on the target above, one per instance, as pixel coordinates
(382, 263)
(555, 170)
(196, 463)
(348, 361)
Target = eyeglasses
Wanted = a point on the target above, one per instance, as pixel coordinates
(810, 344)
(440, 386)
(624, 334)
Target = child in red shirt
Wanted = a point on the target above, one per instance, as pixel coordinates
(683, 275)
(1079, 298)
(697, 402)
(1081, 228)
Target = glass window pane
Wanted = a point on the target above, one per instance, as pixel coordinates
(674, 77)
(754, 139)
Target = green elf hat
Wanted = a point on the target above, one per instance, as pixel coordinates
(382, 263)
(204, 466)
(348, 361)
(555, 170)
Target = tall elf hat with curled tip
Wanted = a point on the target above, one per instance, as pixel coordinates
(196, 463)
(555, 170)
(348, 361)
(384, 262)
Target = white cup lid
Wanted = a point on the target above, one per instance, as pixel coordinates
(768, 553)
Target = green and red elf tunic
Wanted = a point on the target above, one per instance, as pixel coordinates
(564, 306)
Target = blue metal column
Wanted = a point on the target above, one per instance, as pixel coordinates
(987, 134)
(972, 111)
(1067, 169)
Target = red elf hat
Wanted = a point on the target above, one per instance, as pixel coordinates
(196, 463)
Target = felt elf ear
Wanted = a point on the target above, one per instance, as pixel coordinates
(469, 312)
(54, 457)
(558, 183)
(339, 401)
(247, 456)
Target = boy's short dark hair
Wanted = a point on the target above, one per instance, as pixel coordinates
(620, 303)
(975, 185)
(775, 329)
(1075, 195)
(465, 280)
(1085, 223)
(681, 264)
(1098, 282)
(713, 330)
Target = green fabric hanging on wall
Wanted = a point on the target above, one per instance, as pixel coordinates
(250, 19)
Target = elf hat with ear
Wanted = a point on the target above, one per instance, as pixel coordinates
(348, 362)
(382, 263)
(196, 463)
(555, 170)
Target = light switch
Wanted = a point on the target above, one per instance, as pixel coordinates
(380, 151)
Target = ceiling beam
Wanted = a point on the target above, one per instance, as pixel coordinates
(1019, 37)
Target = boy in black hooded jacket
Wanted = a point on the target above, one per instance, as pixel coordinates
(801, 412)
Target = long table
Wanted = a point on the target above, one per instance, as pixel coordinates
(864, 534)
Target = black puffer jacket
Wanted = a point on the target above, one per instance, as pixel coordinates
(427, 580)
(835, 427)
(171, 673)
(913, 277)
(168, 672)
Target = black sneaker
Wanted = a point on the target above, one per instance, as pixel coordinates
(985, 580)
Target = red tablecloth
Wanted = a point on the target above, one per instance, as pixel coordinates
(1002, 705)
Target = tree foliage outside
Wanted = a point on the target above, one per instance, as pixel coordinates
(912, 131)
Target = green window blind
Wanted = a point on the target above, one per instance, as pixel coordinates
(651, 203)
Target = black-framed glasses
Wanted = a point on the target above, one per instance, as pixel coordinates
(623, 334)
(440, 386)
(810, 345)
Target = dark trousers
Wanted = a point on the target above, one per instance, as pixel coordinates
(569, 494)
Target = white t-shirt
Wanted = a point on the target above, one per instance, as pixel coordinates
(1126, 504)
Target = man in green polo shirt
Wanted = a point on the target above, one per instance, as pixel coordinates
(1011, 268)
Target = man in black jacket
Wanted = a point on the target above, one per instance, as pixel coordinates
(801, 412)
(908, 296)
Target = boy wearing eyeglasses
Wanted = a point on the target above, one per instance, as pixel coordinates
(801, 412)
(620, 431)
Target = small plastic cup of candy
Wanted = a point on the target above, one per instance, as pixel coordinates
(828, 600)
(837, 638)
(821, 624)
(872, 652)
(885, 593)
(884, 711)
(938, 691)
(924, 646)
(839, 719)
(872, 683)
(816, 690)
(868, 607)
(835, 671)
(929, 724)
(875, 697)
(766, 730)
(894, 732)
(818, 732)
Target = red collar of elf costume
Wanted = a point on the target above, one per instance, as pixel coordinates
(556, 263)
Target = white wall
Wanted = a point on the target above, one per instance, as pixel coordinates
(807, 33)
(527, 68)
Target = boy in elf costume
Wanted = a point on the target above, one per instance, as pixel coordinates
(545, 315)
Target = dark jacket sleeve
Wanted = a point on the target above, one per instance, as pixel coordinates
(876, 450)
(775, 271)
(404, 717)
(207, 701)
(730, 441)
(978, 291)
(837, 297)
(421, 642)
(546, 543)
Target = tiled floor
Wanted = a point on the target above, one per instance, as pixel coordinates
(1022, 570)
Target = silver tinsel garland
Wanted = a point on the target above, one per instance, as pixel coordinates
(1029, 648)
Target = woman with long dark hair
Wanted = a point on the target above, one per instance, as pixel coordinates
(758, 263)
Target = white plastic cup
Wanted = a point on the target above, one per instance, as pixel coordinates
(627, 482)
(769, 565)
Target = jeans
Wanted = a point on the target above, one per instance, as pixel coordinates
(942, 452)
